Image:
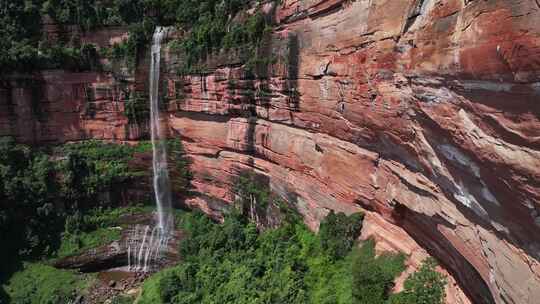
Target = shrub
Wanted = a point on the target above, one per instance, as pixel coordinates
(338, 233)
(214, 30)
(121, 299)
(27, 196)
(42, 284)
(426, 286)
(136, 109)
(74, 243)
(234, 263)
(373, 276)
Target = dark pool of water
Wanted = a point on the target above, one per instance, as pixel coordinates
(114, 275)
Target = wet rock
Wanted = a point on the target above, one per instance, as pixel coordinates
(96, 259)
(114, 254)
(423, 113)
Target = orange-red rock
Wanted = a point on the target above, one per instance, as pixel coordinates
(425, 113)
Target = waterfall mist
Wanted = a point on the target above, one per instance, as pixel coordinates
(162, 187)
(146, 243)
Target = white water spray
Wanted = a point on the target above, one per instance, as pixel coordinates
(144, 250)
(159, 145)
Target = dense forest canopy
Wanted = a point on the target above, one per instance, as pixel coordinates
(208, 26)
(42, 188)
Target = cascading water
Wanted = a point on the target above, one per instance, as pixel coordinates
(159, 145)
(145, 243)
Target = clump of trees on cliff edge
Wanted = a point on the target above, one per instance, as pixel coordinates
(58, 201)
(209, 25)
(43, 192)
(240, 262)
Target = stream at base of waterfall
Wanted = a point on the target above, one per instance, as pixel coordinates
(146, 243)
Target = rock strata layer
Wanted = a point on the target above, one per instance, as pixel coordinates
(424, 113)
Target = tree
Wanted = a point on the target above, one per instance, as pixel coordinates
(338, 232)
(426, 286)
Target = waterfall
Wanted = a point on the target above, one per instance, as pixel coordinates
(144, 249)
(162, 189)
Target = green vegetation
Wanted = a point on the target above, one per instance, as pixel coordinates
(178, 166)
(41, 284)
(25, 45)
(215, 30)
(337, 233)
(76, 243)
(96, 227)
(37, 282)
(136, 109)
(426, 286)
(43, 193)
(236, 262)
(53, 197)
(122, 300)
(209, 26)
(94, 167)
(373, 277)
(257, 203)
(20, 29)
(233, 263)
(27, 190)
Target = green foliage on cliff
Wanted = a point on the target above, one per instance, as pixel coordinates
(373, 276)
(28, 215)
(74, 243)
(91, 168)
(215, 30)
(337, 233)
(40, 189)
(37, 282)
(20, 27)
(136, 109)
(23, 46)
(42, 284)
(209, 26)
(26, 47)
(93, 228)
(237, 263)
(179, 164)
(424, 286)
(234, 263)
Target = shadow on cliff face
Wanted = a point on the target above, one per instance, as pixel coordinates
(256, 200)
(261, 78)
(485, 190)
(468, 184)
(421, 227)
(293, 61)
(22, 100)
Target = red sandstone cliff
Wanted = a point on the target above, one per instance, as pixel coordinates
(424, 113)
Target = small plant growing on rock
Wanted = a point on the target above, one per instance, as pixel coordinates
(426, 286)
(338, 233)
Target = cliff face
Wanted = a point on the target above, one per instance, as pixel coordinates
(425, 113)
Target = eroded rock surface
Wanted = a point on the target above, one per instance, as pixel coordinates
(115, 254)
(426, 113)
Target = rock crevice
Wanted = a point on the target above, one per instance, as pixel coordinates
(425, 113)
